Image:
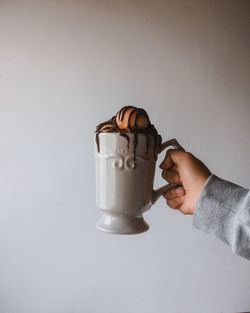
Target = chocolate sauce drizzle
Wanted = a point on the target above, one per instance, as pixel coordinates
(126, 136)
(111, 126)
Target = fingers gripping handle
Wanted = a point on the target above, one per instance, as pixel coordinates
(160, 191)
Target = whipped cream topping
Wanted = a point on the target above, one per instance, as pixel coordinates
(130, 119)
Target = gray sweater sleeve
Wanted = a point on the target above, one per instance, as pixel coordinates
(223, 209)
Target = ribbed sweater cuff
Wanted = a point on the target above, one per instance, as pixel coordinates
(217, 206)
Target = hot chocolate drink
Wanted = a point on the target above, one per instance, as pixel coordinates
(131, 120)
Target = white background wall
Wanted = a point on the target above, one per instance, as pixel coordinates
(65, 66)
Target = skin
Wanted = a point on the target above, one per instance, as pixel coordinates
(181, 167)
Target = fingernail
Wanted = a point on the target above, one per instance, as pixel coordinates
(179, 190)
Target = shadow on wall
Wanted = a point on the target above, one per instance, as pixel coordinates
(211, 35)
(223, 29)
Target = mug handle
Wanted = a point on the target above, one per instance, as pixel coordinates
(160, 191)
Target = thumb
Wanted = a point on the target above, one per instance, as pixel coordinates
(173, 157)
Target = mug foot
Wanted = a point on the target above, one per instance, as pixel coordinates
(122, 224)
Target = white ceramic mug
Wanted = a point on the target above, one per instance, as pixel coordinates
(124, 183)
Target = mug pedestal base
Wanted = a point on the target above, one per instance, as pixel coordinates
(122, 224)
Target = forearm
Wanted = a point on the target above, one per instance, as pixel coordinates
(223, 209)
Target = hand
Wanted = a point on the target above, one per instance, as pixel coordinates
(180, 167)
